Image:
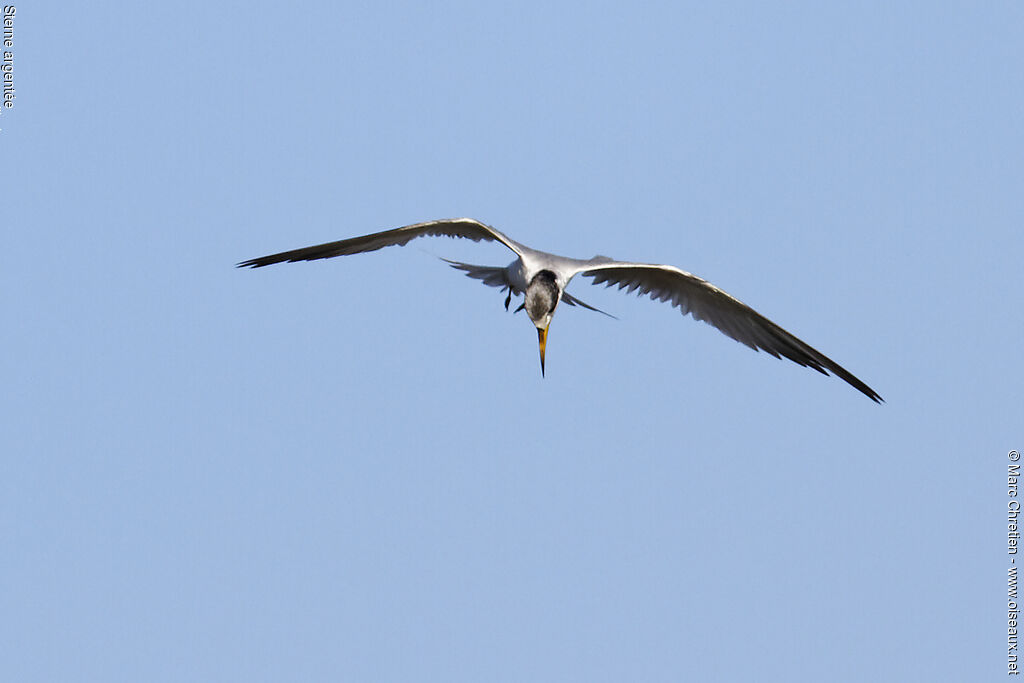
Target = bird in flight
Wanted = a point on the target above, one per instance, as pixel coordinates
(541, 278)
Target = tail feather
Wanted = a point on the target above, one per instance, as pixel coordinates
(573, 301)
(492, 276)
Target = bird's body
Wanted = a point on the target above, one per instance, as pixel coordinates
(541, 278)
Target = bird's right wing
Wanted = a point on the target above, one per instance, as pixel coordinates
(705, 302)
(449, 227)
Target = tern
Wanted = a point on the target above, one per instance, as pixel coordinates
(541, 278)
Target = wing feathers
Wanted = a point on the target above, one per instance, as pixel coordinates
(707, 303)
(466, 228)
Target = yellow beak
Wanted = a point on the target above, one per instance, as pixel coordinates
(542, 337)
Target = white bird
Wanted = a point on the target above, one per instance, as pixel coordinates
(543, 277)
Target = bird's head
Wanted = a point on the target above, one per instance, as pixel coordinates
(542, 296)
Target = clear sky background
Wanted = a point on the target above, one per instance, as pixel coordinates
(352, 470)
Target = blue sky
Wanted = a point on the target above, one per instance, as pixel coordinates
(351, 470)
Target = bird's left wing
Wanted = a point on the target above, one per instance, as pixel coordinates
(449, 227)
(701, 299)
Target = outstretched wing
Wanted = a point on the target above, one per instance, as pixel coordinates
(450, 227)
(698, 297)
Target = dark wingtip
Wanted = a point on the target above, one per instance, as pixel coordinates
(861, 387)
(258, 262)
